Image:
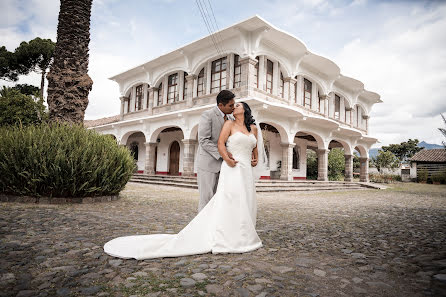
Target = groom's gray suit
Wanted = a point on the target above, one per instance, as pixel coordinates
(208, 159)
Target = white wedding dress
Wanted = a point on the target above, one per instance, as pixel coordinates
(225, 225)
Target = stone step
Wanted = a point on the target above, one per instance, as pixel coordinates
(259, 188)
(185, 181)
(308, 189)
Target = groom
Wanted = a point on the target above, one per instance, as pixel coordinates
(208, 157)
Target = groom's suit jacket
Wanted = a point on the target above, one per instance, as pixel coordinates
(209, 128)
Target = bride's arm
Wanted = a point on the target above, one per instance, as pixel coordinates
(255, 152)
(224, 134)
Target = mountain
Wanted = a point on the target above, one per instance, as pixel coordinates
(429, 145)
(373, 152)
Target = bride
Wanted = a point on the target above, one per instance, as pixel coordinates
(227, 223)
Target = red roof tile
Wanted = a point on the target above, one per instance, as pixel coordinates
(102, 121)
(433, 155)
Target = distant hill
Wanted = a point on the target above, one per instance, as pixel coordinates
(374, 151)
(429, 145)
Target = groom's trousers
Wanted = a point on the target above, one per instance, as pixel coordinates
(207, 186)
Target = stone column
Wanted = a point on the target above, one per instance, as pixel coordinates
(208, 77)
(262, 73)
(126, 104)
(165, 87)
(230, 73)
(149, 167)
(348, 168)
(151, 99)
(190, 89)
(189, 157)
(276, 76)
(326, 102)
(364, 171)
(144, 96)
(287, 161)
(132, 100)
(288, 89)
(314, 97)
(348, 113)
(322, 164)
(365, 118)
(155, 96)
(180, 85)
(300, 90)
(121, 112)
(248, 70)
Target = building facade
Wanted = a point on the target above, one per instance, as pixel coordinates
(300, 99)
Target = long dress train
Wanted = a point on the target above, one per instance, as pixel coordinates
(225, 225)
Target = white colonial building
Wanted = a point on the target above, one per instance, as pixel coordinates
(301, 100)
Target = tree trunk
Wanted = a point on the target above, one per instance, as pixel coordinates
(68, 80)
(42, 84)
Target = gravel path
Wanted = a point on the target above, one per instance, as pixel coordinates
(359, 243)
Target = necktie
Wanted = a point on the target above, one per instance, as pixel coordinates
(226, 117)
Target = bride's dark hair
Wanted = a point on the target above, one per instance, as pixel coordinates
(249, 120)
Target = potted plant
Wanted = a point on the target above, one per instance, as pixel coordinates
(275, 174)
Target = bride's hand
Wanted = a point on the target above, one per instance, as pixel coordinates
(253, 161)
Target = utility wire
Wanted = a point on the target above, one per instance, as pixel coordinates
(207, 26)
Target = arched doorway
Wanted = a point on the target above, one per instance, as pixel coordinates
(174, 158)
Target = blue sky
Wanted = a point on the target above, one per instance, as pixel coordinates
(396, 48)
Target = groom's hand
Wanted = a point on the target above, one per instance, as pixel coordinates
(231, 162)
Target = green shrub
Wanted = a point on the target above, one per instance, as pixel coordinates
(439, 177)
(422, 175)
(58, 160)
(336, 164)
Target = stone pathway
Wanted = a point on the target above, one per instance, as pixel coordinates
(363, 243)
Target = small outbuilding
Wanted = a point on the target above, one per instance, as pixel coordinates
(433, 161)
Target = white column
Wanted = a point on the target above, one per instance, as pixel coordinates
(208, 77)
(121, 111)
(276, 76)
(155, 96)
(195, 86)
(314, 97)
(144, 96)
(133, 99)
(230, 74)
(331, 106)
(190, 79)
(151, 99)
(165, 86)
(342, 109)
(300, 90)
(262, 73)
(181, 85)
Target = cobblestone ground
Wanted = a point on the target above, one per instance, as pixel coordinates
(359, 243)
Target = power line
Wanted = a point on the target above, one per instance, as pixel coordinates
(213, 39)
(216, 24)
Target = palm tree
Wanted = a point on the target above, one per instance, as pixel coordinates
(443, 130)
(68, 80)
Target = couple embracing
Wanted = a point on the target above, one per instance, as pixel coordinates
(230, 157)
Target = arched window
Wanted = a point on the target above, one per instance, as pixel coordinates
(282, 85)
(184, 86)
(134, 150)
(337, 111)
(200, 83)
(138, 101)
(160, 95)
(256, 73)
(218, 75)
(172, 88)
(307, 93)
(237, 71)
(269, 76)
